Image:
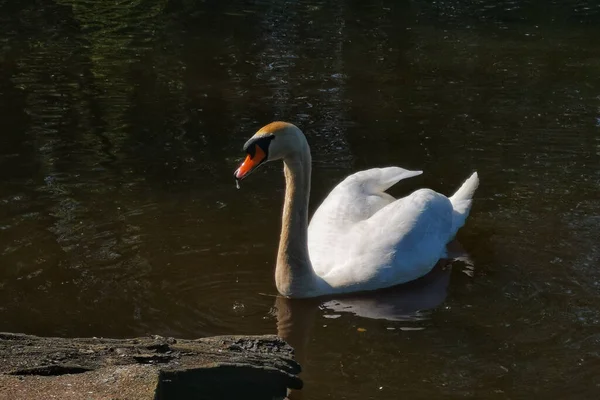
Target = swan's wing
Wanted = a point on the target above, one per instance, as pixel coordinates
(360, 195)
(353, 200)
(399, 243)
(377, 180)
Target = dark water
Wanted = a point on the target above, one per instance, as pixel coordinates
(122, 122)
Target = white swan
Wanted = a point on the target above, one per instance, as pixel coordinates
(360, 238)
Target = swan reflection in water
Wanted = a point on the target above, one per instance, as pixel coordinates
(406, 302)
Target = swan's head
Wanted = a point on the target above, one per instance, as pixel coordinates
(275, 141)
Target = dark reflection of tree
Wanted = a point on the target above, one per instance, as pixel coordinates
(76, 74)
(119, 44)
(178, 103)
(305, 72)
(42, 72)
(382, 83)
(12, 148)
(115, 36)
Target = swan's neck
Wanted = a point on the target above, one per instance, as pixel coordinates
(294, 275)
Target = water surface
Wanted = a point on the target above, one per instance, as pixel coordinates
(122, 123)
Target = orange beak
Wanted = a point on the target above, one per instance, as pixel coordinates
(250, 163)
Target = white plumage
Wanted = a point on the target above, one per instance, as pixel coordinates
(361, 238)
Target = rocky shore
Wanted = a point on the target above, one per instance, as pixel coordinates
(223, 367)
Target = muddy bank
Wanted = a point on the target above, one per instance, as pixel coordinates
(224, 367)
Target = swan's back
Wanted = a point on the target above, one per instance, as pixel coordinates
(354, 200)
(399, 243)
(361, 238)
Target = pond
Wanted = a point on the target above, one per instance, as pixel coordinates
(122, 124)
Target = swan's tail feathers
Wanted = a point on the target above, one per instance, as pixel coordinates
(461, 202)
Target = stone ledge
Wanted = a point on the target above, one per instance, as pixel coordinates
(222, 367)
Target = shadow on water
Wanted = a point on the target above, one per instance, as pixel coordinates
(408, 302)
(296, 318)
